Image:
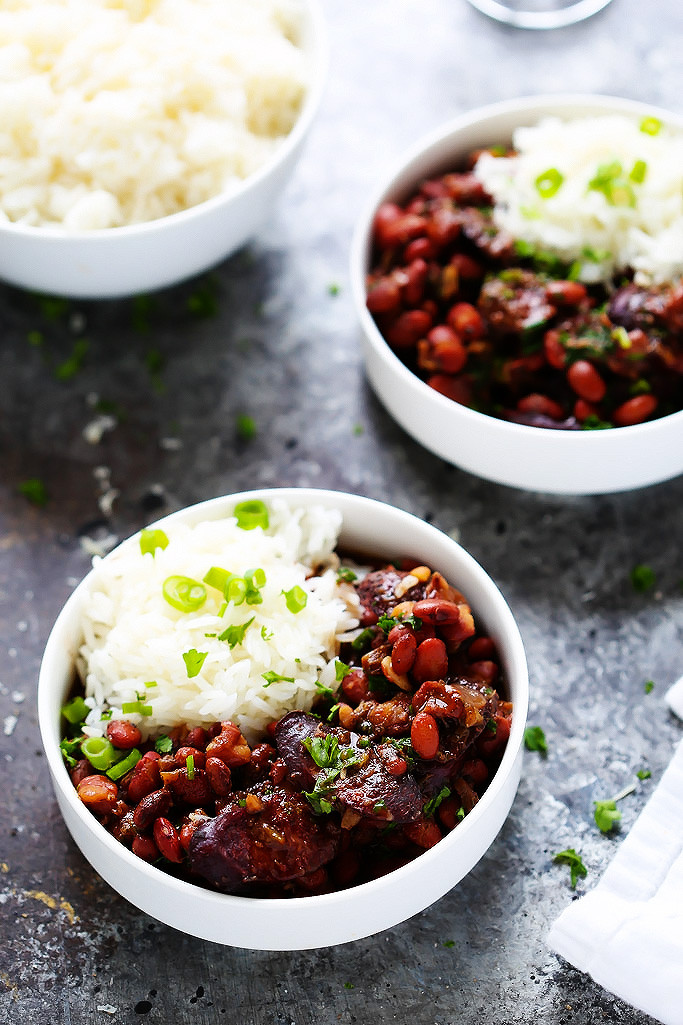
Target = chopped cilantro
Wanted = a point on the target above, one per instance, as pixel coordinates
(70, 367)
(341, 670)
(202, 302)
(163, 745)
(69, 748)
(606, 815)
(448, 943)
(576, 865)
(234, 635)
(363, 641)
(643, 774)
(649, 686)
(346, 575)
(534, 739)
(266, 634)
(272, 677)
(323, 750)
(325, 691)
(246, 427)
(333, 289)
(434, 802)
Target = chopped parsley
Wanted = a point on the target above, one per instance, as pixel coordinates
(534, 739)
(576, 865)
(69, 748)
(448, 944)
(643, 774)
(272, 677)
(341, 670)
(434, 802)
(387, 623)
(606, 815)
(346, 575)
(649, 686)
(163, 745)
(363, 641)
(194, 660)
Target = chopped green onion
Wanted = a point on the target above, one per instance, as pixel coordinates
(296, 599)
(638, 172)
(150, 540)
(189, 765)
(651, 126)
(621, 337)
(184, 593)
(346, 575)
(217, 577)
(120, 769)
(75, 710)
(163, 745)
(136, 707)
(254, 579)
(151, 683)
(236, 589)
(194, 660)
(100, 752)
(251, 514)
(549, 182)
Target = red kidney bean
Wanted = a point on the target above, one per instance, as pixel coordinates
(466, 321)
(541, 404)
(219, 776)
(408, 328)
(150, 807)
(403, 652)
(146, 777)
(355, 686)
(419, 247)
(196, 791)
(185, 752)
(441, 351)
(261, 756)
(583, 409)
(489, 742)
(554, 350)
(439, 699)
(189, 824)
(454, 633)
(425, 833)
(481, 647)
(197, 738)
(467, 268)
(485, 670)
(443, 227)
(98, 793)
(80, 771)
(166, 838)
(448, 812)
(412, 290)
(475, 771)
(586, 381)
(634, 411)
(145, 848)
(424, 735)
(400, 230)
(431, 660)
(384, 296)
(437, 611)
(454, 388)
(568, 293)
(123, 734)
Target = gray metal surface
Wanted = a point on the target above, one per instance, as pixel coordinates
(282, 347)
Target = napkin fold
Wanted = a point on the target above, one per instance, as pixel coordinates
(627, 933)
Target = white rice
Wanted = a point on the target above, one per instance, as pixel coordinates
(134, 638)
(114, 113)
(578, 223)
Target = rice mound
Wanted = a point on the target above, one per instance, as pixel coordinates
(578, 223)
(134, 639)
(115, 112)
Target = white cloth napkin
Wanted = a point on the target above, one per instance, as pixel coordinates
(627, 933)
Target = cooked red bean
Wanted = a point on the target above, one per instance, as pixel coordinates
(197, 738)
(431, 660)
(166, 838)
(219, 776)
(146, 777)
(415, 278)
(482, 647)
(403, 652)
(441, 351)
(635, 410)
(466, 321)
(145, 848)
(157, 803)
(384, 296)
(408, 328)
(437, 611)
(554, 350)
(123, 734)
(583, 409)
(586, 381)
(542, 405)
(99, 793)
(570, 293)
(424, 735)
(454, 388)
(421, 247)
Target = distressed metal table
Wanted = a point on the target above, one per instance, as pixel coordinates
(126, 410)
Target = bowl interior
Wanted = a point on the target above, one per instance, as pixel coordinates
(534, 458)
(338, 917)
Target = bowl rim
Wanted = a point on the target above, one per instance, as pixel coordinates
(401, 168)
(516, 668)
(315, 41)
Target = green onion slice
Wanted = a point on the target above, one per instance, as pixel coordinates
(136, 708)
(548, 182)
(75, 711)
(638, 172)
(296, 599)
(251, 514)
(120, 769)
(194, 660)
(651, 126)
(150, 540)
(217, 577)
(100, 752)
(183, 593)
(189, 765)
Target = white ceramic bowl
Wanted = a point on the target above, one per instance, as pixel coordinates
(116, 262)
(535, 458)
(318, 921)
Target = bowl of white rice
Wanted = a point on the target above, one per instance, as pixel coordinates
(124, 641)
(591, 184)
(145, 142)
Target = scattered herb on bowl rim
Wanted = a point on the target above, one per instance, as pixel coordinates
(535, 740)
(643, 774)
(576, 866)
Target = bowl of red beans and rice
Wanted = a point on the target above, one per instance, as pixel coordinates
(497, 356)
(373, 802)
